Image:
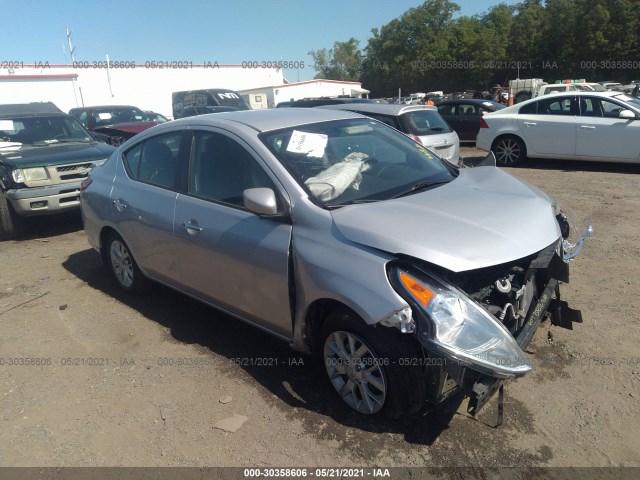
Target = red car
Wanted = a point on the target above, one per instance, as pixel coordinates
(113, 124)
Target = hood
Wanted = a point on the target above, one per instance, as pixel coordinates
(482, 218)
(131, 127)
(56, 154)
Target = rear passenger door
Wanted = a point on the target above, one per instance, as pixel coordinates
(450, 113)
(469, 121)
(229, 255)
(550, 125)
(143, 201)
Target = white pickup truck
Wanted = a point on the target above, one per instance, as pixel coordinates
(526, 88)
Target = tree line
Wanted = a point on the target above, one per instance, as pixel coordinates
(429, 47)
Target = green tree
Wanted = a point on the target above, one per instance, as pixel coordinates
(342, 62)
(402, 52)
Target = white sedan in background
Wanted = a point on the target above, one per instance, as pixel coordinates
(598, 126)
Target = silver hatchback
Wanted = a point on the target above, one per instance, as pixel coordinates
(412, 278)
(423, 123)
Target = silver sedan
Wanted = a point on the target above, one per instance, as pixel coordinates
(411, 277)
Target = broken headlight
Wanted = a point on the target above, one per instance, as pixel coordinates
(461, 329)
(574, 232)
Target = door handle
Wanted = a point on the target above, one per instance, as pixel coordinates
(192, 227)
(530, 124)
(588, 127)
(119, 204)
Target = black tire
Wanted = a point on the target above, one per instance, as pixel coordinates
(388, 359)
(123, 266)
(11, 224)
(510, 151)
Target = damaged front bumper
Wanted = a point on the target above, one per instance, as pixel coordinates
(481, 377)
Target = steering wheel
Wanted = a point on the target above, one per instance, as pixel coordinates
(377, 168)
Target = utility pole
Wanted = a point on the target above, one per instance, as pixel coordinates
(72, 49)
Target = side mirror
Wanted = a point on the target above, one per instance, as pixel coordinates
(628, 114)
(261, 201)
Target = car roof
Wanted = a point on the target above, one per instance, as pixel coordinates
(381, 108)
(572, 93)
(95, 107)
(267, 119)
(29, 108)
(477, 101)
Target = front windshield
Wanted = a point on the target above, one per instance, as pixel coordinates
(353, 161)
(41, 130)
(628, 99)
(111, 116)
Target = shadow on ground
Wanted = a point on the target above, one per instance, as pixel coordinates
(299, 381)
(474, 156)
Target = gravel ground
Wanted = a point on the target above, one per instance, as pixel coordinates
(161, 380)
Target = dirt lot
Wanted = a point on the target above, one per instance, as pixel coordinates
(125, 381)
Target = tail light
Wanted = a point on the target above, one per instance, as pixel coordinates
(483, 124)
(85, 184)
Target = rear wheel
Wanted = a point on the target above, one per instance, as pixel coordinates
(509, 151)
(11, 224)
(124, 267)
(373, 369)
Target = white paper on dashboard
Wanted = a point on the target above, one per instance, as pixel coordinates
(311, 144)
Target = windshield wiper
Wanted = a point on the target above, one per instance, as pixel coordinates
(421, 186)
(354, 202)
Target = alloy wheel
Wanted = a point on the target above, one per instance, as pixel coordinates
(122, 264)
(355, 372)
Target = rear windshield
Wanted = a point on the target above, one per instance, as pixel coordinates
(425, 122)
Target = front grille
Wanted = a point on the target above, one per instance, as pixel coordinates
(70, 168)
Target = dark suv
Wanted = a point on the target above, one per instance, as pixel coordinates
(44, 155)
(113, 124)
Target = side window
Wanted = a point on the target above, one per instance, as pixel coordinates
(83, 119)
(156, 160)
(132, 161)
(222, 169)
(590, 107)
(610, 109)
(469, 110)
(530, 109)
(385, 119)
(449, 110)
(555, 106)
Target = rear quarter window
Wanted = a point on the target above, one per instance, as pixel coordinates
(530, 109)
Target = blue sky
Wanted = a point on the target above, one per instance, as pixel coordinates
(195, 30)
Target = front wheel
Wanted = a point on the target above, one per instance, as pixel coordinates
(370, 367)
(124, 267)
(11, 224)
(509, 151)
